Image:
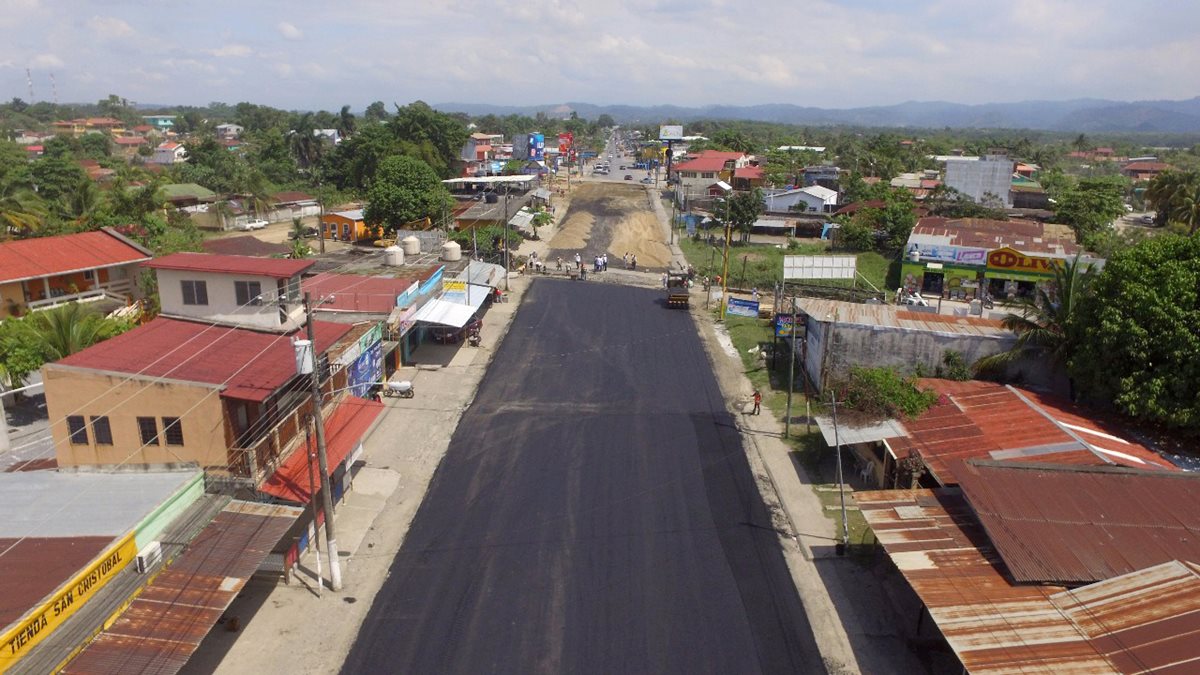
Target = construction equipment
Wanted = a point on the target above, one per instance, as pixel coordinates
(678, 289)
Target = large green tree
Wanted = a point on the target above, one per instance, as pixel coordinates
(1142, 337)
(1091, 206)
(406, 189)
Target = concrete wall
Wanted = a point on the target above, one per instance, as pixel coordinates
(873, 346)
(153, 525)
(978, 177)
(77, 391)
(222, 300)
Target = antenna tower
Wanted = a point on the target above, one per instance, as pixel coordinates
(29, 80)
(53, 88)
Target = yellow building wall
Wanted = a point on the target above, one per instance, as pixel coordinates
(11, 296)
(75, 391)
(333, 226)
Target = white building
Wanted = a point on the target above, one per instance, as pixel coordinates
(234, 290)
(987, 177)
(169, 152)
(230, 131)
(811, 199)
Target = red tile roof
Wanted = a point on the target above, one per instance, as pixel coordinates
(47, 256)
(709, 160)
(278, 268)
(1146, 167)
(358, 293)
(291, 197)
(250, 364)
(143, 128)
(1073, 525)
(129, 140)
(749, 172)
(984, 420)
(343, 432)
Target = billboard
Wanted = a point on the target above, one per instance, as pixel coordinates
(739, 307)
(670, 132)
(819, 266)
(537, 146)
(565, 141)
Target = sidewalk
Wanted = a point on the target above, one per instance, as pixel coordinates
(846, 604)
(287, 628)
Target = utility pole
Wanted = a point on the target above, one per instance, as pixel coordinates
(787, 422)
(312, 491)
(841, 547)
(5, 445)
(335, 570)
(725, 269)
(507, 260)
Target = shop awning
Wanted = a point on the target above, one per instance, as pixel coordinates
(479, 272)
(166, 623)
(450, 313)
(343, 432)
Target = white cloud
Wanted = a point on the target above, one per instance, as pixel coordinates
(289, 31)
(46, 61)
(107, 27)
(234, 50)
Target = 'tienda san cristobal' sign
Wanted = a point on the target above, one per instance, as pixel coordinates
(16, 642)
(1012, 260)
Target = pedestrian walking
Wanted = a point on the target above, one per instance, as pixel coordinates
(633, 262)
(754, 294)
(664, 279)
(625, 260)
(604, 262)
(560, 263)
(582, 273)
(579, 261)
(757, 402)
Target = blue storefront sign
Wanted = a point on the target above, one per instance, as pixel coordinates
(783, 325)
(739, 307)
(366, 370)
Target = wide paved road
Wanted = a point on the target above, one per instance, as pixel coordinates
(594, 513)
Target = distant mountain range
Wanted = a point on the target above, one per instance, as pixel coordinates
(1078, 115)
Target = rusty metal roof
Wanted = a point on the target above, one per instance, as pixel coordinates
(166, 623)
(889, 316)
(984, 420)
(1074, 525)
(995, 625)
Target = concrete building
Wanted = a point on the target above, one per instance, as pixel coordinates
(46, 271)
(168, 153)
(257, 293)
(983, 179)
(348, 226)
(694, 175)
(811, 199)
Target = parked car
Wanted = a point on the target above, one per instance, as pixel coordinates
(252, 225)
(628, 177)
(647, 180)
(1147, 219)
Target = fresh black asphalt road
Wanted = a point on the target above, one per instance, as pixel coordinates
(594, 513)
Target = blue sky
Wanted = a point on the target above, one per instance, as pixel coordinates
(824, 53)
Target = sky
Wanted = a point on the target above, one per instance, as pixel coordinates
(822, 53)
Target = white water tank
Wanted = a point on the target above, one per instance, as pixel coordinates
(393, 256)
(304, 356)
(411, 245)
(451, 251)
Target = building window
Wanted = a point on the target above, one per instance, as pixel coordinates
(102, 431)
(708, 174)
(77, 430)
(248, 292)
(172, 430)
(148, 428)
(195, 292)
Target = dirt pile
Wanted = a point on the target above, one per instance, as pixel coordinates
(612, 218)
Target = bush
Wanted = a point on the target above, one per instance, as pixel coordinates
(880, 393)
(953, 367)
(856, 236)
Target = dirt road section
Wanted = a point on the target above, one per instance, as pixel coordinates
(611, 218)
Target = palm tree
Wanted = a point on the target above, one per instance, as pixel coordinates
(70, 328)
(21, 211)
(81, 203)
(1046, 325)
(1166, 189)
(1186, 207)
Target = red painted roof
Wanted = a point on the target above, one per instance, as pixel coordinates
(749, 172)
(34, 566)
(358, 293)
(709, 160)
(291, 197)
(1146, 167)
(47, 256)
(278, 268)
(1026, 236)
(984, 420)
(250, 364)
(1073, 525)
(343, 432)
(143, 128)
(129, 140)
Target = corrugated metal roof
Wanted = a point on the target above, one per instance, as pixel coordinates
(1119, 613)
(1026, 236)
(47, 256)
(888, 316)
(1072, 525)
(166, 623)
(343, 432)
(277, 268)
(359, 293)
(31, 569)
(984, 420)
(997, 626)
(255, 364)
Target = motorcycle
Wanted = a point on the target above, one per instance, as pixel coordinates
(473, 339)
(988, 302)
(401, 389)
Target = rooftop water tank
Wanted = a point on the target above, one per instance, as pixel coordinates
(393, 256)
(304, 356)
(411, 245)
(451, 251)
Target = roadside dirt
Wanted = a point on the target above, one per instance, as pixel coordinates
(611, 218)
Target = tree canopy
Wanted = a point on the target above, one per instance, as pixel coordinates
(405, 189)
(1143, 333)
